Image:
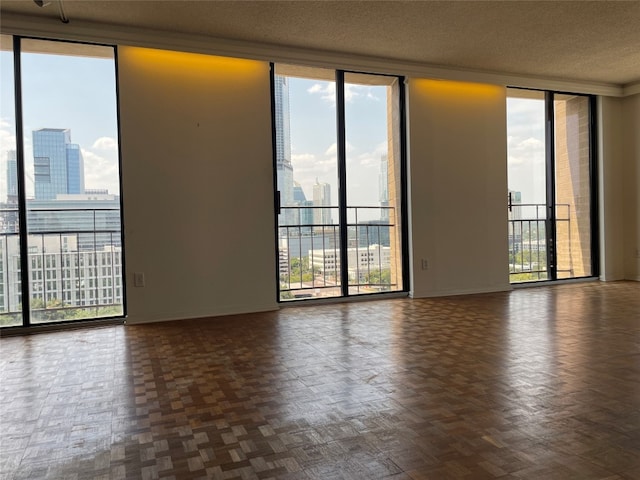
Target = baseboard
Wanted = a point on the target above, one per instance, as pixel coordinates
(220, 312)
(469, 291)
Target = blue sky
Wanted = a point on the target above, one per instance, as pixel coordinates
(313, 137)
(71, 92)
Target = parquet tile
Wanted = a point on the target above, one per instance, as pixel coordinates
(539, 383)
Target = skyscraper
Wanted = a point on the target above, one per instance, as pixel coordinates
(284, 169)
(322, 198)
(58, 166)
(12, 178)
(305, 215)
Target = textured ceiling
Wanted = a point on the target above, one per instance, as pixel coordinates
(589, 41)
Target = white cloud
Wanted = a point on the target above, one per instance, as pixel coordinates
(302, 157)
(372, 159)
(105, 143)
(328, 92)
(350, 92)
(100, 172)
(7, 136)
(333, 149)
(316, 88)
(371, 96)
(528, 150)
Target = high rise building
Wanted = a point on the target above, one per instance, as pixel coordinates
(284, 169)
(12, 178)
(322, 198)
(304, 216)
(58, 166)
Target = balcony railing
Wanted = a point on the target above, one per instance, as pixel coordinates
(528, 240)
(74, 260)
(310, 258)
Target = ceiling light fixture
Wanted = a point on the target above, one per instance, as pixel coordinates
(44, 3)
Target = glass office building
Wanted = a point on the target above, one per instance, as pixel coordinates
(58, 165)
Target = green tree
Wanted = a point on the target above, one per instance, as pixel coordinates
(377, 277)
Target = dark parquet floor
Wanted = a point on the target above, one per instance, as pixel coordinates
(540, 383)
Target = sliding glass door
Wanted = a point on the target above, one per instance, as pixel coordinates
(373, 182)
(61, 227)
(551, 208)
(339, 178)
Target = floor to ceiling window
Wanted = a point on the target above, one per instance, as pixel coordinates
(552, 222)
(340, 174)
(61, 236)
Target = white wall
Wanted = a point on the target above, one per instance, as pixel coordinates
(198, 186)
(631, 139)
(611, 176)
(619, 145)
(458, 187)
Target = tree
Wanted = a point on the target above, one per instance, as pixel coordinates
(379, 277)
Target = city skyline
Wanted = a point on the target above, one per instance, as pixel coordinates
(84, 102)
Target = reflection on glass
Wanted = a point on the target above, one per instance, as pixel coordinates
(573, 185)
(71, 181)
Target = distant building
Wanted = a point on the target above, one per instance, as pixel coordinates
(93, 219)
(361, 261)
(75, 253)
(298, 193)
(322, 199)
(284, 169)
(9, 210)
(373, 232)
(74, 235)
(302, 216)
(12, 178)
(60, 272)
(58, 166)
(299, 246)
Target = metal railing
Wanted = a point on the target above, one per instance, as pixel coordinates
(74, 260)
(528, 225)
(310, 260)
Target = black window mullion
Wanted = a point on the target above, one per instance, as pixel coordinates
(550, 220)
(342, 182)
(22, 197)
(404, 208)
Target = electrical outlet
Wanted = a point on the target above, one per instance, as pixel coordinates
(138, 279)
(425, 264)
